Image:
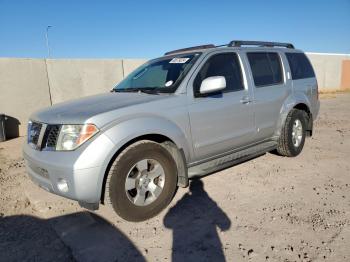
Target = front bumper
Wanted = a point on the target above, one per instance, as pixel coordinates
(82, 169)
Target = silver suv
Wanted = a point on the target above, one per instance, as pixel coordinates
(187, 114)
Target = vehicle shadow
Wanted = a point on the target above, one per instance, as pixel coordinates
(82, 236)
(194, 221)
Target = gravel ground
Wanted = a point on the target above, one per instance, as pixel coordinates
(267, 209)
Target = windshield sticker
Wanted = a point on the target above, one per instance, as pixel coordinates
(179, 60)
(169, 83)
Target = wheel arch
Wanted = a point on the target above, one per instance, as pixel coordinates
(167, 142)
(298, 102)
(306, 109)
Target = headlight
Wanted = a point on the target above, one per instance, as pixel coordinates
(72, 136)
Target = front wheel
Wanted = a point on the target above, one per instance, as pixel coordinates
(293, 134)
(142, 181)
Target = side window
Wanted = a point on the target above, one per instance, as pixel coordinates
(226, 65)
(266, 68)
(275, 63)
(300, 66)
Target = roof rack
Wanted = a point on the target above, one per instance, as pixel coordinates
(238, 43)
(190, 48)
(233, 43)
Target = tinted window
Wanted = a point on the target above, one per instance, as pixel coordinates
(300, 66)
(266, 68)
(226, 65)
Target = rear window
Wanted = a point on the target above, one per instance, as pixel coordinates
(266, 68)
(300, 66)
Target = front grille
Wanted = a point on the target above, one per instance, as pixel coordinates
(34, 133)
(42, 136)
(51, 136)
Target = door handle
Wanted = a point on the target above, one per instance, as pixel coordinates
(245, 100)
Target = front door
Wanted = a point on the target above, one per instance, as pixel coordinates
(222, 121)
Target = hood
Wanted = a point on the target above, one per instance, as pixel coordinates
(79, 110)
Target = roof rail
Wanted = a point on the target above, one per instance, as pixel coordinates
(233, 43)
(190, 48)
(238, 43)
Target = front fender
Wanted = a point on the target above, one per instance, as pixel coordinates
(289, 104)
(125, 131)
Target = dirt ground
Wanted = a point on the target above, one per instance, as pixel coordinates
(267, 209)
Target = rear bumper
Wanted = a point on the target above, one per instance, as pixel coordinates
(82, 170)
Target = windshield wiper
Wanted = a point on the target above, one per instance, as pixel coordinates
(147, 90)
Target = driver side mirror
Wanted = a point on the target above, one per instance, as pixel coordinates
(212, 84)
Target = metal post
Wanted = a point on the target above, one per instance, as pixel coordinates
(47, 40)
(48, 54)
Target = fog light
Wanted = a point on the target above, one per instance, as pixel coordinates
(62, 185)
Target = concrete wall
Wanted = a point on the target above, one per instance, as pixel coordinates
(26, 84)
(70, 79)
(345, 75)
(328, 69)
(23, 88)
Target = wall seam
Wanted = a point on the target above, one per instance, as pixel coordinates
(48, 81)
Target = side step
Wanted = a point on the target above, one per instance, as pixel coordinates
(230, 159)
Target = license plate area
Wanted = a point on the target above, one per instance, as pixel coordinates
(39, 170)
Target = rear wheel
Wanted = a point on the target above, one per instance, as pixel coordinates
(141, 181)
(292, 138)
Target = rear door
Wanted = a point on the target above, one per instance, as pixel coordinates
(270, 90)
(223, 121)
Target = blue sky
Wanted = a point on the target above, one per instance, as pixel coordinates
(145, 29)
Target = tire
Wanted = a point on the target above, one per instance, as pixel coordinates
(289, 145)
(133, 187)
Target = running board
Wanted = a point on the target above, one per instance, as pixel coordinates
(230, 159)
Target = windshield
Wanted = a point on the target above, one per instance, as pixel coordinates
(159, 75)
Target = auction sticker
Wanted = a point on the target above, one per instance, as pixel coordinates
(179, 60)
